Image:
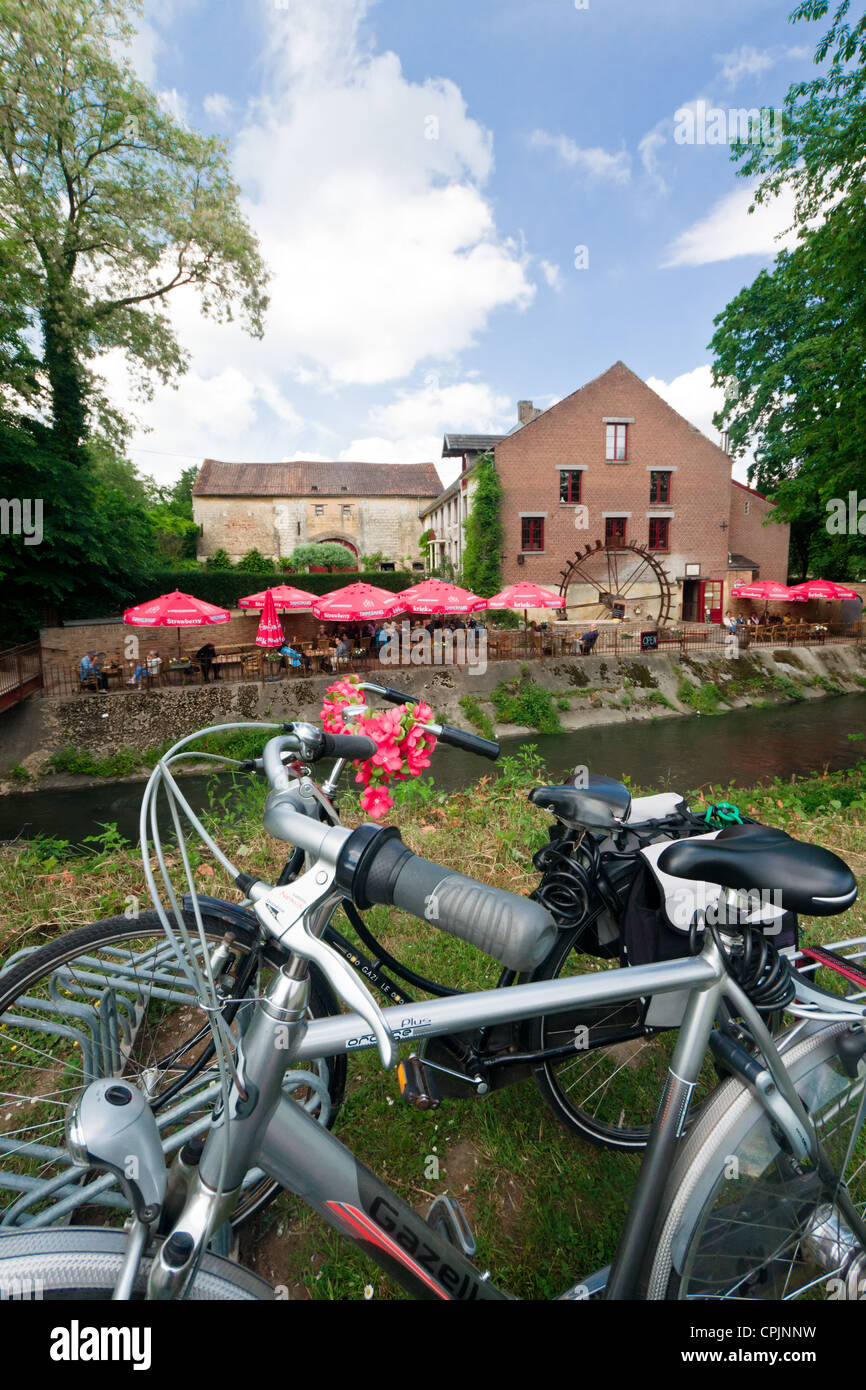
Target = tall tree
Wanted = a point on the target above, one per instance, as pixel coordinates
(482, 556)
(107, 206)
(794, 342)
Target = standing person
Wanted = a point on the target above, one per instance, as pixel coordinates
(206, 656)
(88, 670)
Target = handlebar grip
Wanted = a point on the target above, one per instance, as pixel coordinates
(398, 697)
(515, 931)
(470, 743)
(352, 746)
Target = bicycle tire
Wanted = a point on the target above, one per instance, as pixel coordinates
(605, 1092)
(757, 1239)
(74, 959)
(80, 1263)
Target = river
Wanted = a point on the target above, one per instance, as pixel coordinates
(744, 747)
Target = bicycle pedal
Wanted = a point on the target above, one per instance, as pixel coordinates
(416, 1085)
(448, 1219)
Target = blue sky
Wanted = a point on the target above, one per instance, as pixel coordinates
(420, 175)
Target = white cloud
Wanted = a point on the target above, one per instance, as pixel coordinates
(410, 428)
(552, 274)
(648, 149)
(594, 162)
(218, 107)
(746, 61)
(175, 103)
(366, 191)
(729, 230)
(693, 395)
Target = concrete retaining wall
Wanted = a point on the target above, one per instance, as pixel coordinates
(597, 690)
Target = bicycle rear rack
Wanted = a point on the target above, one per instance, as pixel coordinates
(99, 1008)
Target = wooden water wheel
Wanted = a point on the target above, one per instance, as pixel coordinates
(623, 581)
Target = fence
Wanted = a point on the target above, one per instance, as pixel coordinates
(20, 673)
(558, 641)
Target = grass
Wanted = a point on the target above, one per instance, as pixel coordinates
(478, 717)
(545, 1208)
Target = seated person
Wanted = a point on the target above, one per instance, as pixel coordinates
(345, 647)
(88, 671)
(291, 657)
(588, 641)
(154, 664)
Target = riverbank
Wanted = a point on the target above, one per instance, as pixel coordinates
(123, 733)
(544, 1207)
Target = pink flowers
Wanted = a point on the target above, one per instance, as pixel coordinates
(403, 747)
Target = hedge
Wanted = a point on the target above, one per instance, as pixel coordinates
(225, 587)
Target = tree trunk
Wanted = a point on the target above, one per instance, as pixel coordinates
(65, 378)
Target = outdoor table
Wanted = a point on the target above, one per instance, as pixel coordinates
(183, 670)
(231, 660)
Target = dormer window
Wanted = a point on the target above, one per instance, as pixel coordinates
(314, 487)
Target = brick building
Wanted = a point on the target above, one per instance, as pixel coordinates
(274, 507)
(614, 463)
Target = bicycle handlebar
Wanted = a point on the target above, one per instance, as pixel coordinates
(376, 867)
(446, 733)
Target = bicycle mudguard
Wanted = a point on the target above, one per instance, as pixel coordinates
(231, 913)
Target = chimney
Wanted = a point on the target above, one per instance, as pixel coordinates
(526, 411)
(724, 441)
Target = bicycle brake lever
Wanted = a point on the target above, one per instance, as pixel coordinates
(272, 911)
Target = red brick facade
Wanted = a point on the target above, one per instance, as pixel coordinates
(704, 511)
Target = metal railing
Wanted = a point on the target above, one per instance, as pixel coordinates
(20, 673)
(619, 641)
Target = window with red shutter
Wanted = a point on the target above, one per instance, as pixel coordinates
(614, 532)
(532, 533)
(659, 533)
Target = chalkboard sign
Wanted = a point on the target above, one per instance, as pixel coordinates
(649, 641)
(618, 610)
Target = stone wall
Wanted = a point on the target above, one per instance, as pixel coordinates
(275, 526)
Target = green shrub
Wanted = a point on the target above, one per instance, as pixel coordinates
(253, 562)
(524, 702)
(218, 561)
(703, 699)
(18, 773)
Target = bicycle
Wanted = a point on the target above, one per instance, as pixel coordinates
(789, 1119)
(124, 968)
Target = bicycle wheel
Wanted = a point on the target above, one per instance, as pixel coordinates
(740, 1219)
(606, 1085)
(84, 1263)
(110, 999)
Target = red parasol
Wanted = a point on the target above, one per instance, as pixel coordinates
(770, 590)
(270, 633)
(175, 610)
(286, 599)
(526, 595)
(356, 602)
(435, 596)
(823, 589)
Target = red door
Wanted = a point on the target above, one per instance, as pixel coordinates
(711, 601)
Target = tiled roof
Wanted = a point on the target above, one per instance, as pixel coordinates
(304, 479)
(742, 562)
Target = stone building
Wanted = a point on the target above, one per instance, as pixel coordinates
(614, 463)
(274, 507)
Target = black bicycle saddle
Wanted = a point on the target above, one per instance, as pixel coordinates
(808, 879)
(601, 805)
